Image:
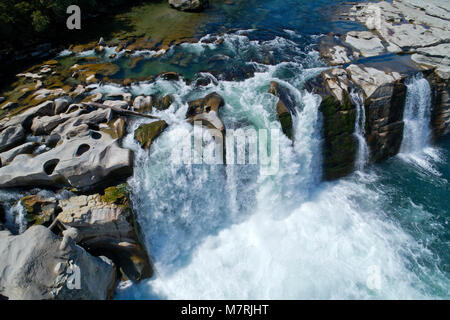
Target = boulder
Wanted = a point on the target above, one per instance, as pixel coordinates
(206, 110)
(143, 104)
(165, 102)
(45, 125)
(61, 104)
(286, 107)
(107, 226)
(26, 148)
(366, 42)
(39, 208)
(189, 5)
(147, 133)
(38, 265)
(11, 137)
(25, 118)
(116, 104)
(83, 157)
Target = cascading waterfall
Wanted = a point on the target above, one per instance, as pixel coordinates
(417, 131)
(362, 155)
(415, 148)
(219, 232)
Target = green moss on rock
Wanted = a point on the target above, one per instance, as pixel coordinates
(147, 133)
(119, 195)
(340, 146)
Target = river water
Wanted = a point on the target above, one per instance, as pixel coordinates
(229, 232)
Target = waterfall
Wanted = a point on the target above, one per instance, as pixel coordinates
(232, 233)
(417, 131)
(362, 155)
(415, 148)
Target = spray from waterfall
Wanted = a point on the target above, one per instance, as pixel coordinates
(362, 155)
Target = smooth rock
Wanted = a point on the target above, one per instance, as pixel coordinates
(36, 266)
(106, 226)
(26, 148)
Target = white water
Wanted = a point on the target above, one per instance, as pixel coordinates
(415, 148)
(362, 155)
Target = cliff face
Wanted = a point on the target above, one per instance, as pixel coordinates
(440, 103)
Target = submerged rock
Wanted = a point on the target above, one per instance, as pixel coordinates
(147, 133)
(38, 265)
(206, 110)
(189, 5)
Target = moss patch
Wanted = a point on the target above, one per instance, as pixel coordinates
(147, 133)
(119, 195)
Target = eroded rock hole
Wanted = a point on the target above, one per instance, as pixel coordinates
(82, 149)
(50, 166)
(96, 135)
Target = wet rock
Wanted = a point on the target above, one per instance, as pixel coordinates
(206, 110)
(147, 133)
(143, 104)
(440, 112)
(385, 95)
(165, 102)
(189, 5)
(66, 271)
(106, 226)
(39, 209)
(285, 107)
(338, 112)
